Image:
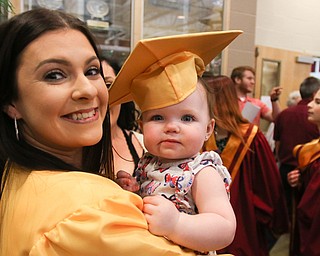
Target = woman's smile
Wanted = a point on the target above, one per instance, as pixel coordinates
(83, 115)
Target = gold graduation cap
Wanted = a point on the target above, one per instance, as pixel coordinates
(163, 71)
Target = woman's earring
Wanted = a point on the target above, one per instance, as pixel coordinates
(16, 127)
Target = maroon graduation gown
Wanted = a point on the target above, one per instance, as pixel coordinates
(307, 220)
(257, 195)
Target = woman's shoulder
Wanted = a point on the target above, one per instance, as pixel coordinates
(60, 204)
(65, 192)
(67, 178)
(89, 187)
(307, 153)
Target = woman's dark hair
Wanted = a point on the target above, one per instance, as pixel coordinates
(128, 117)
(16, 34)
(129, 114)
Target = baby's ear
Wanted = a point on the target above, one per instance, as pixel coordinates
(12, 111)
(210, 128)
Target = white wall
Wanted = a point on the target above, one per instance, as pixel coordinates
(289, 24)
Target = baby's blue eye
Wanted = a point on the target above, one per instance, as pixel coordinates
(157, 118)
(187, 118)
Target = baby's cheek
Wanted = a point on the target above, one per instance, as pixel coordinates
(149, 143)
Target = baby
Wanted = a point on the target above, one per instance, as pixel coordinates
(176, 120)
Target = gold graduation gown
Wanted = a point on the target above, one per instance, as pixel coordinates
(74, 213)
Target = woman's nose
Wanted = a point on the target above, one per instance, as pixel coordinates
(84, 88)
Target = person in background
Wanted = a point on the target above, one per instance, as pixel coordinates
(127, 144)
(256, 191)
(293, 98)
(306, 180)
(292, 128)
(244, 81)
(55, 147)
(184, 192)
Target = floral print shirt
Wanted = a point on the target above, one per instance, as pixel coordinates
(174, 180)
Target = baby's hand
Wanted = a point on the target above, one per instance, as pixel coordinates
(161, 215)
(127, 182)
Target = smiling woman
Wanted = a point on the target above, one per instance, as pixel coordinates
(61, 87)
(54, 140)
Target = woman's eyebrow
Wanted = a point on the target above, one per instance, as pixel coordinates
(52, 60)
(62, 61)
